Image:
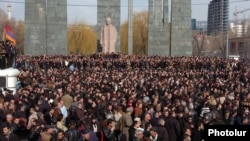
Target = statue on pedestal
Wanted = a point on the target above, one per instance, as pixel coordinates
(108, 37)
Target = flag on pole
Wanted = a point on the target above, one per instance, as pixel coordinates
(9, 34)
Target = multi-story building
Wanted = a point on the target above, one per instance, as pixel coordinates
(201, 26)
(218, 16)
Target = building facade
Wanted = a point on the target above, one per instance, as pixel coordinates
(240, 46)
(181, 32)
(158, 41)
(45, 27)
(218, 16)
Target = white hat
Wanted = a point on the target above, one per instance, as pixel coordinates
(137, 119)
(140, 129)
(145, 99)
(51, 101)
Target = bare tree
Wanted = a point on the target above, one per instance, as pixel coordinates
(220, 42)
(140, 34)
(198, 42)
(19, 34)
(81, 39)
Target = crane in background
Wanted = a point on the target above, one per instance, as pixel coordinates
(238, 12)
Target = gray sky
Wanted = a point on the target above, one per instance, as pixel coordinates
(86, 9)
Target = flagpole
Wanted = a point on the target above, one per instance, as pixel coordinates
(3, 38)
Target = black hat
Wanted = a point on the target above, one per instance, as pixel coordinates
(153, 129)
(93, 117)
(85, 131)
(48, 127)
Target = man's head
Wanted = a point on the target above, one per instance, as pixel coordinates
(139, 133)
(110, 123)
(60, 134)
(85, 134)
(9, 118)
(129, 110)
(32, 110)
(72, 123)
(49, 129)
(93, 119)
(153, 132)
(161, 121)
(108, 21)
(137, 122)
(6, 129)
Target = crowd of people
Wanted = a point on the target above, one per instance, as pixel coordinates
(115, 97)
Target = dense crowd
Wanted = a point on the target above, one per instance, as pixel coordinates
(119, 97)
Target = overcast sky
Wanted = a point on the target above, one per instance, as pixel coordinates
(85, 10)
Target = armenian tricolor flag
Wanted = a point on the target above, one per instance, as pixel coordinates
(9, 34)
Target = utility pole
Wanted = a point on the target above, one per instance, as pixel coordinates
(227, 42)
(130, 27)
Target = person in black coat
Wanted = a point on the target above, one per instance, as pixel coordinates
(48, 117)
(95, 125)
(7, 135)
(73, 134)
(136, 124)
(197, 132)
(161, 130)
(172, 126)
(108, 131)
(154, 136)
